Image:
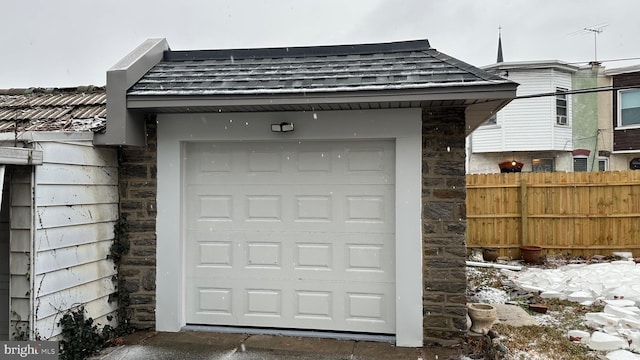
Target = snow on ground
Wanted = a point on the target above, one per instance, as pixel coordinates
(615, 284)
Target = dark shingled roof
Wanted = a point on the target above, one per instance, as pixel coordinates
(296, 70)
(64, 109)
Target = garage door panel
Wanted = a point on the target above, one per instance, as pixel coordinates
(311, 256)
(297, 163)
(285, 208)
(297, 235)
(296, 305)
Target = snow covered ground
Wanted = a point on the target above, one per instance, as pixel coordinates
(614, 284)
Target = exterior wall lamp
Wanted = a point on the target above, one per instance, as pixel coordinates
(282, 127)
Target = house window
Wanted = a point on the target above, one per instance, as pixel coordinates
(603, 164)
(542, 165)
(561, 106)
(580, 163)
(493, 120)
(629, 107)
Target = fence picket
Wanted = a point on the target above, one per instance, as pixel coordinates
(583, 213)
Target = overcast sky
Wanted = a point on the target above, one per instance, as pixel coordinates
(62, 43)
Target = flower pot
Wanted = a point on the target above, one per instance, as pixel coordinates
(482, 316)
(489, 254)
(530, 254)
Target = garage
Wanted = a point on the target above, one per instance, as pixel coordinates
(307, 188)
(295, 234)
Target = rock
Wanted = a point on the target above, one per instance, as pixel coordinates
(622, 355)
(605, 342)
(579, 336)
(580, 296)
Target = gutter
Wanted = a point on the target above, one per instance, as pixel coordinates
(482, 92)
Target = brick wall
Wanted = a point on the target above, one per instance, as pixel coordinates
(138, 205)
(444, 225)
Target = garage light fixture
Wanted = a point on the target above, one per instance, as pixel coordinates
(282, 127)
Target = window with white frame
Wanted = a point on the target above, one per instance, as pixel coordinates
(603, 163)
(561, 106)
(629, 107)
(580, 163)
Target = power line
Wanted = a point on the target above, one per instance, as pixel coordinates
(578, 91)
(601, 61)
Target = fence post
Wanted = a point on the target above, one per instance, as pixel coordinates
(523, 211)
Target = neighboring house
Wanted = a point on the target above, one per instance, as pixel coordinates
(625, 117)
(535, 132)
(59, 206)
(317, 188)
(591, 124)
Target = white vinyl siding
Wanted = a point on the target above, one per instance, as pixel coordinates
(529, 124)
(4, 258)
(76, 206)
(20, 249)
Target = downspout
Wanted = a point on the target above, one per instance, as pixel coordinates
(32, 257)
(595, 151)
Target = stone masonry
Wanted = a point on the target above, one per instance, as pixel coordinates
(444, 224)
(138, 205)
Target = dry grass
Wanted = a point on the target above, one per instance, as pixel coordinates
(541, 342)
(547, 341)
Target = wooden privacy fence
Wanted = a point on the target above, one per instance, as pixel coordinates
(582, 213)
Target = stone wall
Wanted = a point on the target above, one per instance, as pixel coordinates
(138, 205)
(444, 225)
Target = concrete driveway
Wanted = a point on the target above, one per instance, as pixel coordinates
(212, 346)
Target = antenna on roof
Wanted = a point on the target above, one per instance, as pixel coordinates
(596, 30)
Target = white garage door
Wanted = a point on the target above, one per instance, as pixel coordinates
(291, 235)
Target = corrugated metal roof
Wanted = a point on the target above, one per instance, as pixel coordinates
(75, 109)
(324, 69)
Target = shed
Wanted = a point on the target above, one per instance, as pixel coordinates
(304, 188)
(59, 207)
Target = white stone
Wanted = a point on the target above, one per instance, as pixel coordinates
(584, 336)
(606, 342)
(634, 340)
(620, 302)
(622, 355)
(621, 312)
(580, 296)
(602, 319)
(629, 323)
(550, 294)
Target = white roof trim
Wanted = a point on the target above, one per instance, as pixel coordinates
(20, 156)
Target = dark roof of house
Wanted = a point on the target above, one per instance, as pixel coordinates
(298, 70)
(59, 109)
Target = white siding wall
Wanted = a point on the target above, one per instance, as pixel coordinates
(527, 124)
(562, 134)
(4, 261)
(20, 215)
(76, 206)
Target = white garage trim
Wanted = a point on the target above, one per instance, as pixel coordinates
(403, 125)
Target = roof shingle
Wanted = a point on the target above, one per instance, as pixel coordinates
(69, 109)
(322, 69)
